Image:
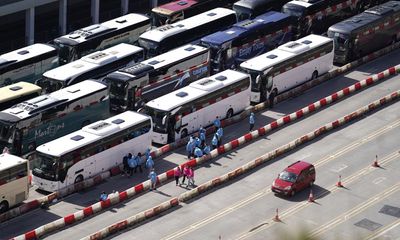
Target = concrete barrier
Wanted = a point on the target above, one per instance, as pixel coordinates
(120, 197)
(188, 195)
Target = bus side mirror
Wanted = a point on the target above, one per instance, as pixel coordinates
(164, 119)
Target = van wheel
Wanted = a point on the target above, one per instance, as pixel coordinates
(184, 133)
(293, 192)
(78, 179)
(314, 75)
(229, 114)
(3, 206)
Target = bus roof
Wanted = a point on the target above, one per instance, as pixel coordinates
(21, 54)
(164, 59)
(17, 89)
(174, 6)
(196, 90)
(284, 52)
(252, 4)
(302, 3)
(8, 161)
(365, 18)
(86, 33)
(91, 61)
(92, 133)
(244, 28)
(159, 33)
(36, 105)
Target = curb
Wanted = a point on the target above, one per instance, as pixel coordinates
(122, 196)
(184, 197)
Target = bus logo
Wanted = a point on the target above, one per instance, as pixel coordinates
(181, 79)
(51, 130)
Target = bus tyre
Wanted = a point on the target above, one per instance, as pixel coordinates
(314, 75)
(229, 114)
(3, 206)
(78, 179)
(184, 133)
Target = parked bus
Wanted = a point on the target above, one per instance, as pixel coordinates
(369, 31)
(249, 9)
(316, 16)
(248, 39)
(94, 65)
(125, 29)
(288, 66)
(16, 93)
(165, 38)
(27, 64)
(44, 118)
(94, 149)
(133, 86)
(180, 9)
(184, 111)
(14, 181)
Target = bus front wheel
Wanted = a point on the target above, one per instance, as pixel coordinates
(229, 114)
(184, 133)
(3, 206)
(79, 179)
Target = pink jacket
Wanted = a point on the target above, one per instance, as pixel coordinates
(186, 171)
(191, 173)
(177, 172)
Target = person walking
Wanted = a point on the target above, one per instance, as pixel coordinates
(190, 147)
(147, 153)
(132, 165)
(202, 136)
(217, 123)
(138, 164)
(177, 174)
(220, 133)
(197, 152)
(185, 173)
(214, 141)
(103, 196)
(149, 163)
(191, 177)
(153, 179)
(125, 164)
(252, 121)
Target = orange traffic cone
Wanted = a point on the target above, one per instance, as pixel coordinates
(339, 183)
(311, 197)
(375, 163)
(276, 218)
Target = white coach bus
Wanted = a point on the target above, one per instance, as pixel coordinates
(27, 64)
(184, 111)
(131, 87)
(94, 65)
(94, 149)
(288, 66)
(124, 29)
(14, 181)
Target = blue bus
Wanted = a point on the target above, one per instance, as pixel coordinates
(248, 39)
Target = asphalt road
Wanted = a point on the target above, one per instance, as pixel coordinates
(218, 166)
(367, 206)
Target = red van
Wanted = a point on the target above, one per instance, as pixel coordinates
(294, 178)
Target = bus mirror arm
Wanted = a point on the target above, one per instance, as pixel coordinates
(175, 110)
(267, 71)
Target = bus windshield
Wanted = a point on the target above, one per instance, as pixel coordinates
(6, 132)
(47, 167)
(159, 19)
(340, 40)
(66, 53)
(293, 10)
(118, 92)
(152, 48)
(50, 85)
(242, 13)
(159, 119)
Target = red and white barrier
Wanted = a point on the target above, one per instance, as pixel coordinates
(117, 198)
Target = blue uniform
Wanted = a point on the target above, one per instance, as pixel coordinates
(206, 150)
(197, 152)
(220, 132)
(214, 141)
(132, 162)
(149, 162)
(197, 142)
(217, 123)
(252, 119)
(103, 197)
